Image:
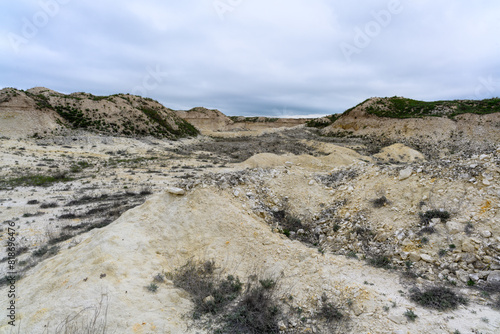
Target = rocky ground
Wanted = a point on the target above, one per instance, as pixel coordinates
(349, 229)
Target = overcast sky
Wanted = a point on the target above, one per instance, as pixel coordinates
(254, 57)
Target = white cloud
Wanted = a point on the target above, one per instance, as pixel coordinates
(261, 57)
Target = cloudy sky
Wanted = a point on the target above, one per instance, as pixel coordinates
(254, 57)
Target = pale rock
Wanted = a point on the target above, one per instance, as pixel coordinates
(454, 227)
(311, 182)
(407, 242)
(404, 255)
(485, 233)
(494, 277)
(426, 257)
(397, 319)
(435, 221)
(405, 173)
(236, 193)
(483, 157)
(474, 277)
(176, 191)
(462, 275)
(469, 258)
(486, 182)
(487, 259)
(467, 246)
(281, 325)
(414, 257)
(483, 274)
(209, 299)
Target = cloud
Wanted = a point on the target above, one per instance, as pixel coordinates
(256, 57)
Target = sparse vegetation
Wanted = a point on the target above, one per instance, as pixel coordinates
(224, 305)
(380, 261)
(399, 107)
(410, 315)
(440, 298)
(380, 202)
(426, 217)
(33, 181)
(153, 287)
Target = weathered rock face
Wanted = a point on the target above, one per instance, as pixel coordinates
(20, 117)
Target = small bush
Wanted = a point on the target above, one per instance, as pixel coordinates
(32, 202)
(41, 251)
(440, 298)
(425, 218)
(352, 255)
(427, 230)
(380, 202)
(256, 312)
(442, 252)
(328, 310)
(410, 315)
(49, 205)
(62, 237)
(469, 228)
(153, 287)
(208, 292)
(380, 261)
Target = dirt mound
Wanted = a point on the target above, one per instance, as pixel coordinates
(399, 153)
(338, 156)
(118, 114)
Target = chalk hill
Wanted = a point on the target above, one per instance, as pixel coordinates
(41, 111)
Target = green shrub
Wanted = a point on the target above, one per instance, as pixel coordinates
(425, 218)
(410, 315)
(380, 261)
(153, 287)
(328, 310)
(380, 202)
(440, 298)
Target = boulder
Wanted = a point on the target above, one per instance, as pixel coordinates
(494, 277)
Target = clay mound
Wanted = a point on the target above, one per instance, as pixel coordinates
(399, 153)
(338, 156)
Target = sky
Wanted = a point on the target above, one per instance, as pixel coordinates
(277, 58)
